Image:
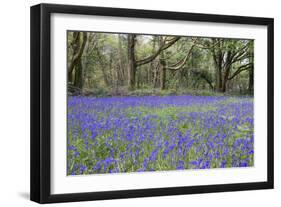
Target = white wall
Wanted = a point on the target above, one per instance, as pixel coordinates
(14, 102)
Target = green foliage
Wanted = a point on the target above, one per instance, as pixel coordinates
(105, 63)
(99, 92)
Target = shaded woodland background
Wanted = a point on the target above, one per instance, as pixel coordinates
(107, 64)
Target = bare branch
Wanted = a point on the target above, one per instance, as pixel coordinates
(166, 45)
(240, 69)
(182, 62)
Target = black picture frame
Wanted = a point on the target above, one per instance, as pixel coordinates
(41, 99)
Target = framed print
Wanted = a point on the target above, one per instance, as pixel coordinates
(133, 103)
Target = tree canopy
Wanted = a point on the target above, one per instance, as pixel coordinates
(117, 64)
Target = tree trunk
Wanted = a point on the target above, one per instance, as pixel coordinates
(131, 68)
(78, 81)
(225, 78)
(186, 75)
(251, 81)
(151, 66)
(218, 60)
(76, 63)
(219, 78)
(162, 66)
(102, 64)
(75, 47)
(162, 71)
(121, 72)
(223, 88)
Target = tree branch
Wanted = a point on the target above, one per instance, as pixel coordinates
(204, 76)
(161, 48)
(182, 62)
(240, 69)
(240, 54)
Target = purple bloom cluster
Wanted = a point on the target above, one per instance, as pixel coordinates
(135, 134)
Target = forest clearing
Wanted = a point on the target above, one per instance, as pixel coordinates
(141, 103)
(130, 134)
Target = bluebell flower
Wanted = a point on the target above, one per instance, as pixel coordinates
(180, 165)
(83, 168)
(72, 147)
